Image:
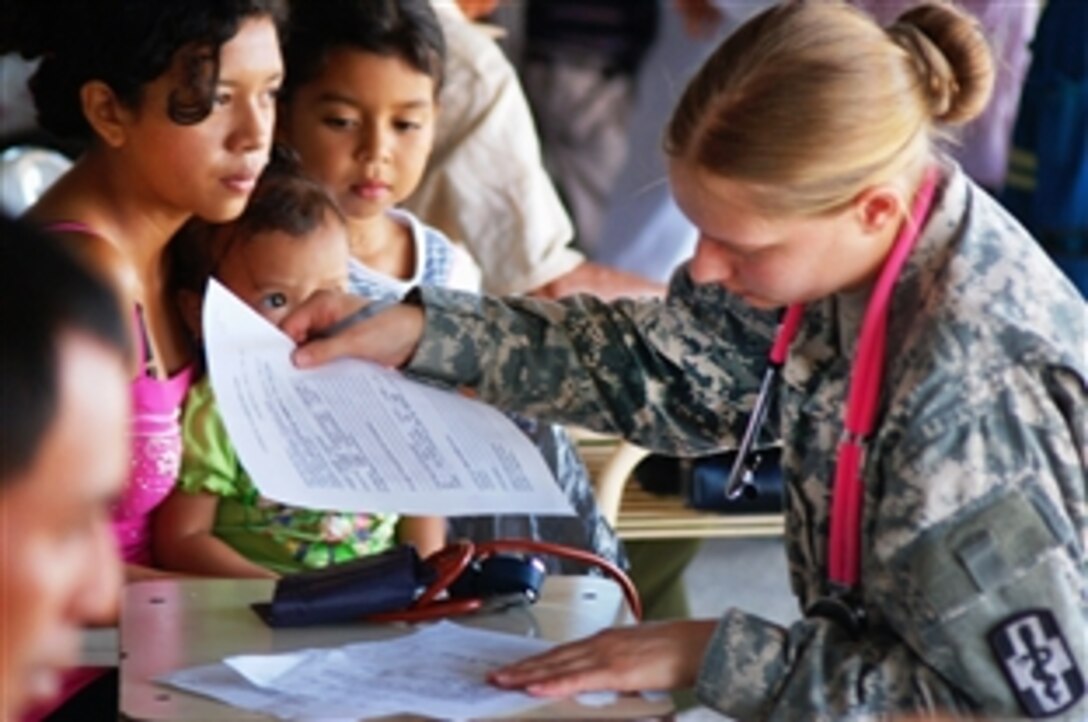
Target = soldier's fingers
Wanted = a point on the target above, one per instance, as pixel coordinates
(321, 351)
(557, 678)
(318, 312)
(535, 668)
(574, 681)
(563, 660)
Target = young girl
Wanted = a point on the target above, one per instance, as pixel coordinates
(290, 242)
(943, 567)
(359, 108)
(175, 101)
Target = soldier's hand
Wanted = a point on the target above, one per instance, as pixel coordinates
(389, 337)
(657, 656)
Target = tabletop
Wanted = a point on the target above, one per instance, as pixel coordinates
(168, 625)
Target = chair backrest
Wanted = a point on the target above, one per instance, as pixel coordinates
(636, 513)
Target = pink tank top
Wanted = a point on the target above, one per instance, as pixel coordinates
(156, 453)
(156, 442)
(155, 460)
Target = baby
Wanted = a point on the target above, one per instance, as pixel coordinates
(291, 241)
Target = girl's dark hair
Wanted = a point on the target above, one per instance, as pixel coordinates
(126, 44)
(284, 200)
(45, 292)
(405, 29)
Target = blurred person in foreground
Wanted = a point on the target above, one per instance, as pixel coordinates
(63, 458)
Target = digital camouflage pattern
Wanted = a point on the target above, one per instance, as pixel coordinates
(975, 508)
(588, 529)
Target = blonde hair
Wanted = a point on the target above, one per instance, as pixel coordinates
(811, 102)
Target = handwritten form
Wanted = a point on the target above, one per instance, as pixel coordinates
(355, 437)
(439, 671)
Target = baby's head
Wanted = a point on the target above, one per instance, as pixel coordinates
(360, 102)
(290, 242)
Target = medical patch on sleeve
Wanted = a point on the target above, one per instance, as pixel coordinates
(1036, 660)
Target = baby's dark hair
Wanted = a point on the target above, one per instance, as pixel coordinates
(405, 29)
(284, 200)
(126, 44)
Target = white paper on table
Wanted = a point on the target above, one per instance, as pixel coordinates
(353, 436)
(439, 671)
(220, 682)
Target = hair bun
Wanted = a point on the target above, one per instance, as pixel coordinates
(952, 57)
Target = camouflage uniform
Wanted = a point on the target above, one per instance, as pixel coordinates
(975, 522)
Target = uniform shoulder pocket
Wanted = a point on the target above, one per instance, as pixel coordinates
(995, 600)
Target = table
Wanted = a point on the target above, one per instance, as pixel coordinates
(167, 625)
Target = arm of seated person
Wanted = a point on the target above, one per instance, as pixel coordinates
(426, 533)
(602, 281)
(184, 540)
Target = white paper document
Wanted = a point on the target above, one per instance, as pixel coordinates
(353, 436)
(439, 671)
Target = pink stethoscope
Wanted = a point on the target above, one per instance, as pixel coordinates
(866, 375)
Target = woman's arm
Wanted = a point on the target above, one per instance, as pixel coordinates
(673, 376)
(676, 377)
(184, 540)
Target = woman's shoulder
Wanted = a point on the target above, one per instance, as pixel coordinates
(1004, 288)
(980, 287)
(988, 324)
(99, 253)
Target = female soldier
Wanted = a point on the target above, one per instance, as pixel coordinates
(936, 515)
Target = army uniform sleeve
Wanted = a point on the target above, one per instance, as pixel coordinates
(676, 376)
(974, 576)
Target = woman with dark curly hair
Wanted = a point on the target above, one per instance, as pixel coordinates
(175, 100)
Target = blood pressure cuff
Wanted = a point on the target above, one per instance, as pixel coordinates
(347, 592)
(705, 480)
(996, 601)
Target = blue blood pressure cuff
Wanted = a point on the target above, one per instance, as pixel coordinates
(392, 584)
(502, 575)
(347, 592)
(705, 480)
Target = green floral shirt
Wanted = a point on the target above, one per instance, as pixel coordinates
(281, 538)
